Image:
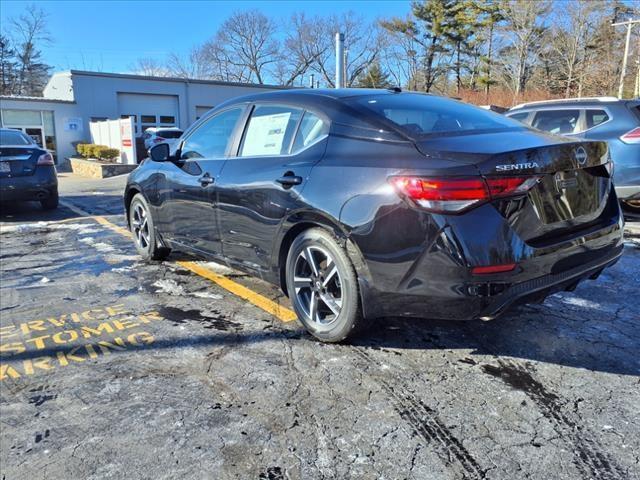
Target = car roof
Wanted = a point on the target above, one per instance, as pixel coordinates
(574, 102)
(301, 95)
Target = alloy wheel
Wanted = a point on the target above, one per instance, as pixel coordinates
(318, 285)
(140, 226)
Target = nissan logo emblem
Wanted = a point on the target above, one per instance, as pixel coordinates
(581, 155)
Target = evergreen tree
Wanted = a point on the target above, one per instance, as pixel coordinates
(7, 66)
(374, 77)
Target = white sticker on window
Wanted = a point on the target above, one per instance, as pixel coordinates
(265, 134)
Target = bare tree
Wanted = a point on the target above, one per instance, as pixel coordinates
(194, 65)
(362, 44)
(150, 67)
(305, 42)
(30, 30)
(524, 30)
(571, 33)
(244, 47)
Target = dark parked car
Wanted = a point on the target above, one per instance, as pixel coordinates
(370, 203)
(27, 172)
(602, 118)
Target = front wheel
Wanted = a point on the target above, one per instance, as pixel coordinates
(323, 286)
(143, 231)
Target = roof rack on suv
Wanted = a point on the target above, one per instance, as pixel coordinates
(562, 100)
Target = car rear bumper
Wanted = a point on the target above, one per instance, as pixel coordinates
(433, 279)
(39, 186)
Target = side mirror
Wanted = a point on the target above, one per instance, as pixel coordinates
(160, 152)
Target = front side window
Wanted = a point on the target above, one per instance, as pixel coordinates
(596, 117)
(424, 115)
(560, 122)
(211, 138)
(270, 131)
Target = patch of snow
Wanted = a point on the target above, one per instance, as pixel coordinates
(168, 286)
(213, 296)
(45, 280)
(218, 268)
(581, 302)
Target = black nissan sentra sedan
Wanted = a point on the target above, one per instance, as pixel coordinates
(368, 203)
(27, 171)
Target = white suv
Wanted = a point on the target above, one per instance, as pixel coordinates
(154, 136)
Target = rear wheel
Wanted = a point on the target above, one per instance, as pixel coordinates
(51, 202)
(143, 230)
(323, 286)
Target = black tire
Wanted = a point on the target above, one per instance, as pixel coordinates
(143, 230)
(337, 313)
(51, 202)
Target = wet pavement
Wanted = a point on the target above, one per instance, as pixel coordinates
(114, 368)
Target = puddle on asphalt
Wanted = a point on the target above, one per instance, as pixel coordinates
(215, 320)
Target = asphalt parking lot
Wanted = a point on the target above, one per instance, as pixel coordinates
(113, 368)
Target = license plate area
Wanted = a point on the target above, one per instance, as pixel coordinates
(5, 167)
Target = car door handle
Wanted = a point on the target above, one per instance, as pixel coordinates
(206, 179)
(289, 180)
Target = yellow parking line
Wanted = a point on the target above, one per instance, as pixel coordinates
(260, 301)
(284, 314)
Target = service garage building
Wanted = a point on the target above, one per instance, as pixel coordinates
(73, 99)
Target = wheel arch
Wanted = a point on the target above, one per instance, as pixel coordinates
(301, 221)
(131, 192)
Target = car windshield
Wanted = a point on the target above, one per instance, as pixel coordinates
(169, 133)
(8, 137)
(423, 115)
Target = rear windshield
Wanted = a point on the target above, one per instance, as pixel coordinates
(422, 115)
(169, 133)
(14, 138)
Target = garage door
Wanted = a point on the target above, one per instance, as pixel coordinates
(149, 110)
(201, 110)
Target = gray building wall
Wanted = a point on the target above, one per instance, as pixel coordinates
(94, 95)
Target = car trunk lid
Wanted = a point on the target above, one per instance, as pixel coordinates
(18, 161)
(573, 177)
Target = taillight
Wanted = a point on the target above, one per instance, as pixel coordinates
(158, 140)
(631, 137)
(455, 194)
(45, 159)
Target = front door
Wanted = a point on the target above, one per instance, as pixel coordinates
(258, 187)
(189, 213)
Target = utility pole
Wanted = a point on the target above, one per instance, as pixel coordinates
(339, 60)
(628, 23)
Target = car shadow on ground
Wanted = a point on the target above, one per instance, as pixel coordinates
(29, 212)
(519, 335)
(532, 333)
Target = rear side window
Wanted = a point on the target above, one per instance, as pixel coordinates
(14, 138)
(419, 115)
(596, 117)
(270, 131)
(311, 129)
(521, 117)
(557, 121)
(169, 133)
(211, 138)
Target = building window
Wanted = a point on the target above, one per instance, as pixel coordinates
(148, 119)
(38, 124)
(167, 119)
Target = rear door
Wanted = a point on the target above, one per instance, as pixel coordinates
(257, 188)
(189, 215)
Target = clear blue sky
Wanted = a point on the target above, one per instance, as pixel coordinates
(109, 36)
